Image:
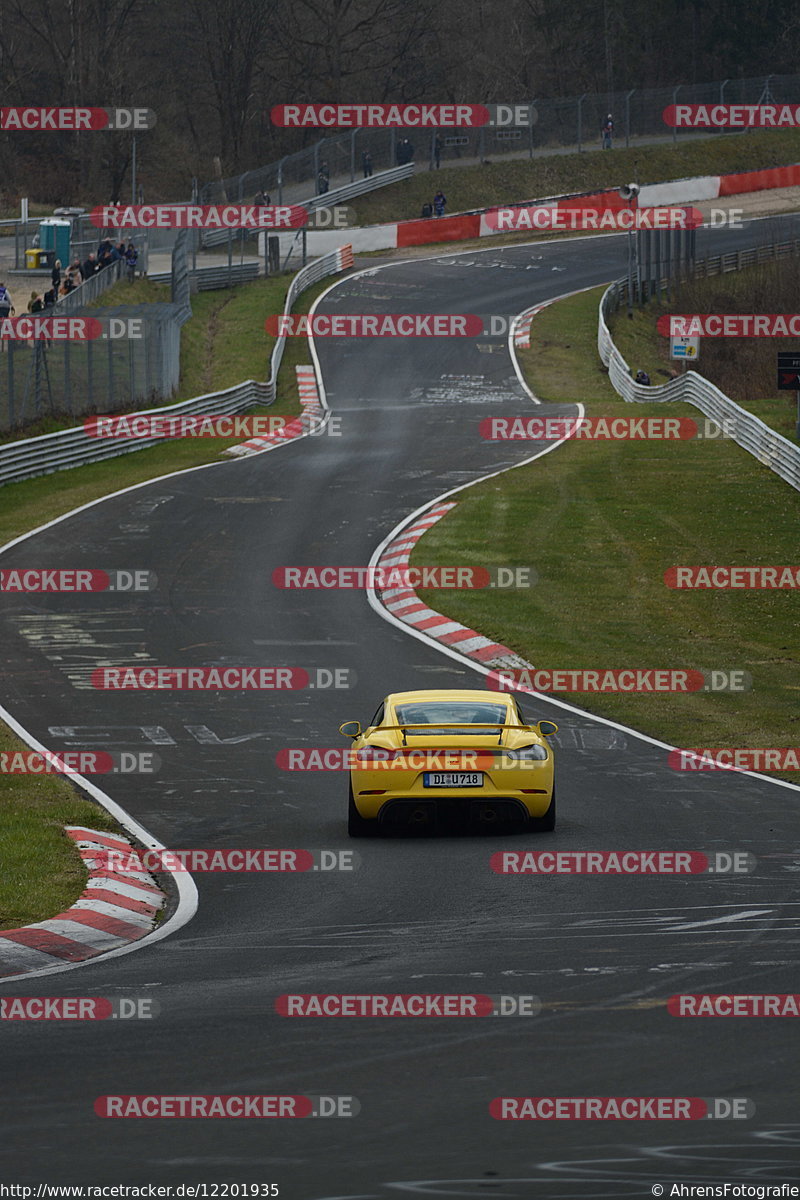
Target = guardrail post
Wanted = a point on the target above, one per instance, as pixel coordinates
(353, 156)
(89, 376)
(674, 101)
(67, 379)
(10, 357)
(580, 121)
(628, 117)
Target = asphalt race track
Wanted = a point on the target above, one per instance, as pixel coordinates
(419, 914)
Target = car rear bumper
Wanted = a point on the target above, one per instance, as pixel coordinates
(478, 814)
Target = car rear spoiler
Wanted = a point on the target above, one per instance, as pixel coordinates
(435, 725)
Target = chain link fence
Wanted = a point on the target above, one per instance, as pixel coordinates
(134, 362)
(574, 122)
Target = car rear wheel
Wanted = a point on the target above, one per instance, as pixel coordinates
(358, 826)
(547, 822)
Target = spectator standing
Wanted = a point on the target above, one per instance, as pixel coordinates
(366, 163)
(6, 307)
(404, 152)
(439, 203)
(131, 259)
(263, 199)
(55, 274)
(323, 179)
(607, 132)
(49, 298)
(75, 272)
(427, 210)
(90, 267)
(35, 304)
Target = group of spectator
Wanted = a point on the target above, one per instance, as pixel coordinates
(62, 281)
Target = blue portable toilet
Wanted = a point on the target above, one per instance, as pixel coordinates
(55, 236)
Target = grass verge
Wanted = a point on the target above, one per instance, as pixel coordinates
(42, 872)
(601, 522)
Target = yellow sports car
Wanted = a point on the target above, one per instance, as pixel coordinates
(439, 759)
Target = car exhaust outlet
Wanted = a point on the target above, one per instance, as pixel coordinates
(419, 815)
(488, 815)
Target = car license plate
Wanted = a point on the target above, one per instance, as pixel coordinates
(449, 779)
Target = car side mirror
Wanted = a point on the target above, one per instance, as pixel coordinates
(350, 729)
(547, 728)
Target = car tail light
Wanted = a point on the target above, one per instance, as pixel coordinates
(369, 755)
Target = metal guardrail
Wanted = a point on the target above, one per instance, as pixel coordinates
(74, 447)
(206, 279)
(735, 260)
(765, 444)
(29, 457)
(349, 191)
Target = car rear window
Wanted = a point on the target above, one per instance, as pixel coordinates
(442, 712)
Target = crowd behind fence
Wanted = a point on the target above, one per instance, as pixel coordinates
(51, 379)
(28, 457)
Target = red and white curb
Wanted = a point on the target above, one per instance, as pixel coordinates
(116, 907)
(404, 603)
(310, 418)
(522, 326)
